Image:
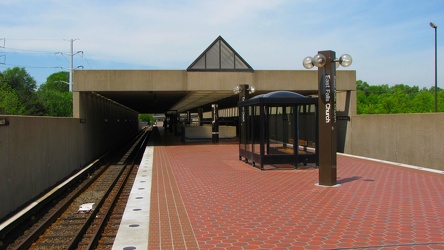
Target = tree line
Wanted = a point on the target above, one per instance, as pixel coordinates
(400, 98)
(19, 95)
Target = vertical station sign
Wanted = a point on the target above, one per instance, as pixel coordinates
(215, 123)
(327, 120)
(242, 118)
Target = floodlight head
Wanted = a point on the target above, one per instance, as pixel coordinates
(345, 60)
(237, 89)
(308, 62)
(319, 60)
(433, 25)
(251, 90)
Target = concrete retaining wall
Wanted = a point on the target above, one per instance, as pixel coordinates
(107, 123)
(35, 153)
(38, 152)
(414, 139)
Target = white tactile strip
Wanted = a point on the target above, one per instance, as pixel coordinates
(134, 228)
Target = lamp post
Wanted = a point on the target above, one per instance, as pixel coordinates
(326, 63)
(433, 25)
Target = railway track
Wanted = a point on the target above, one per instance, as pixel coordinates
(88, 216)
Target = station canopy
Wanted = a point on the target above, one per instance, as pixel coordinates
(218, 57)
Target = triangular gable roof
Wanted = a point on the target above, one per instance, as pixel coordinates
(220, 56)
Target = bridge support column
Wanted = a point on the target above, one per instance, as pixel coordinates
(188, 117)
(200, 114)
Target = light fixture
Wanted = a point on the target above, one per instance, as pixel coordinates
(319, 61)
(4, 121)
(345, 60)
(251, 89)
(308, 62)
(239, 88)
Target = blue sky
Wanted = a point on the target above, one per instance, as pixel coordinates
(390, 41)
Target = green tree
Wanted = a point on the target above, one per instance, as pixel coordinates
(146, 118)
(55, 95)
(9, 100)
(400, 98)
(24, 86)
(424, 101)
(57, 82)
(440, 101)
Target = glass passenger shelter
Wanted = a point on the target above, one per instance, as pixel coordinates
(278, 128)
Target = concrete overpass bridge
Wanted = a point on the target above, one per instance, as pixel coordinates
(209, 79)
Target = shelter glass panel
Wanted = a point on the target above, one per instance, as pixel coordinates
(249, 131)
(307, 126)
(280, 124)
(256, 129)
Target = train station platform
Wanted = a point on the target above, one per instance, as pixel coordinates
(203, 197)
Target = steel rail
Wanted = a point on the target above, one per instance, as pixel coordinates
(27, 212)
(101, 225)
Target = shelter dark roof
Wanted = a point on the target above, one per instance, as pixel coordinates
(279, 97)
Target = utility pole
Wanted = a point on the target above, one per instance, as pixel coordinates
(2, 46)
(71, 66)
(71, 55)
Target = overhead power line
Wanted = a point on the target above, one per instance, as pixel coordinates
(11, 50)
(27, 51)
(28, 66)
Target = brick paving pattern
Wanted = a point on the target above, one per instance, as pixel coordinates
(204, 197)
(169, 227)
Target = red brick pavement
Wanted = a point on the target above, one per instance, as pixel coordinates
(170, 227)
(232, 205)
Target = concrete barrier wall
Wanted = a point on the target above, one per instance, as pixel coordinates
(414, 139)
(35, 153)
(38, 152)
(105, 123)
